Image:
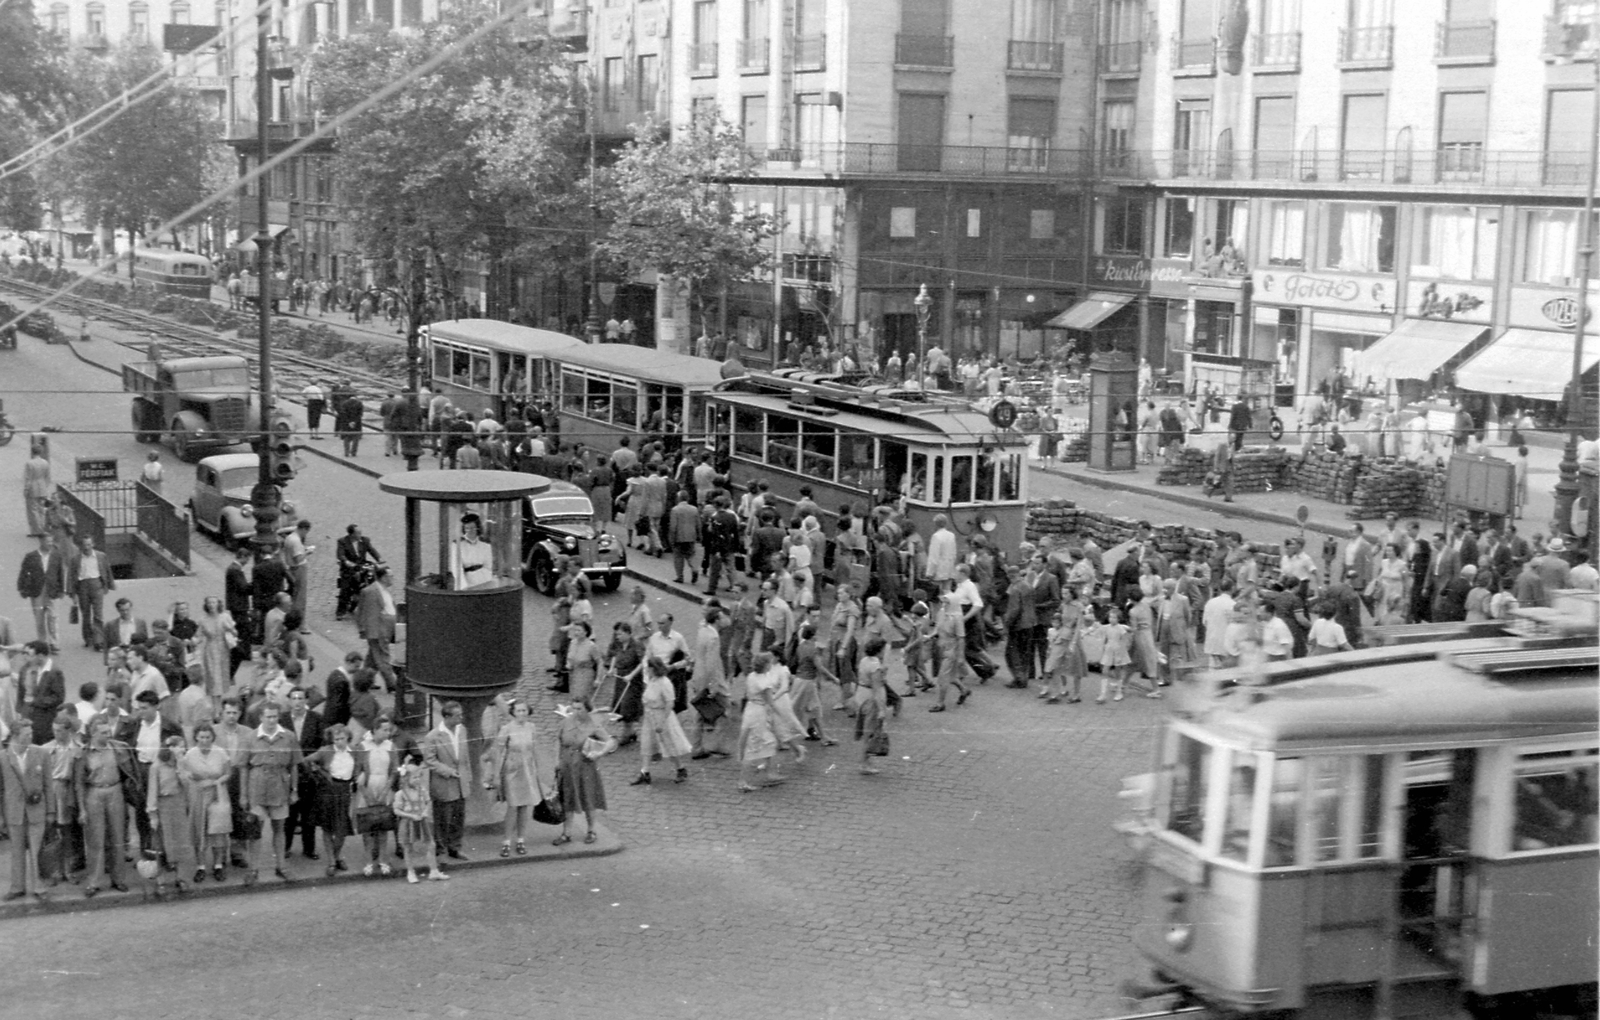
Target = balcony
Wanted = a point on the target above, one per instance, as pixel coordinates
(1194, 56)
(1276, 51)
(1121, 57)
(702, 60)
(1467, 164)
(1025, 55)
(1568, 41)
(754, 56)
(1368, 47)
(936, 51)
(810, 52)
(870, 159)
(1464, 42)
(571, 26)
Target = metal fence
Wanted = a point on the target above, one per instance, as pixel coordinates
(102, 509)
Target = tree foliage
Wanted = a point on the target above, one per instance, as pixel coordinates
(470, 157)
(34, 86)
(671, 209)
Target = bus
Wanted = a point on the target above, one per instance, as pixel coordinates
(483, 363)
(611, 392)
(854, 448)
(173, 272)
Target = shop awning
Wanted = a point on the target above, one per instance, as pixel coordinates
(1528, 362)
(248, 242)
(1418, 348)
(1091, 311)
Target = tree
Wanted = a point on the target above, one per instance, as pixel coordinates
(145, 163)
(34, 86)
(468, 160)
(672, 209)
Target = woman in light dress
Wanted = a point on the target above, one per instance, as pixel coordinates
(583, 660)
(659, 731)
(207, 767)
(513, 774)
(871, 700)
(1390, 583)
(376, 766)
(219, 633)
(758, 742)
(168, 799)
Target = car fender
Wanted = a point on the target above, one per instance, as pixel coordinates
(233, 524)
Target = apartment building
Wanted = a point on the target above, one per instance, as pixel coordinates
(1388, 188)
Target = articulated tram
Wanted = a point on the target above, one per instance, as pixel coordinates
(1404, 831)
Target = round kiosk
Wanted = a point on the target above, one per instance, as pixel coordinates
(464, 595)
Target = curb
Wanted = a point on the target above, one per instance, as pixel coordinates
(62, 903)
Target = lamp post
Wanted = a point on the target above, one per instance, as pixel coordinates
(591, 326)
(923, 303)
(1566, 488)
(266, 497)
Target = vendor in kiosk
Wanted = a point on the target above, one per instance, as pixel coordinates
(471, 558)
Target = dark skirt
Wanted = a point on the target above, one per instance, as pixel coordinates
(579, 783)
(630, 701)
(333, 808)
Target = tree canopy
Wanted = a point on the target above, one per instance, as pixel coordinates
(34, 86)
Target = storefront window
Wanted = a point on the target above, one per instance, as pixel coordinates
(1277, 336)
(1359, 238)
(1213, 328)
(1456, 242)
(1550, 239)
(1335, 350)
(1286, 234)
(1178, 242)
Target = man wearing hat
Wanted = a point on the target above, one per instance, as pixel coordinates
(1551, 565)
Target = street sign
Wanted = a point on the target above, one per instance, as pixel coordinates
(1302, 514)
(97, 469)
(1003, 414)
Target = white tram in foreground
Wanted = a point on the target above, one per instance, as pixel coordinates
(1407, 831)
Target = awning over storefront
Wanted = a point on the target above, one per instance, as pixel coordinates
(1091, 311)
(248, 242)
(1527, 362)
(1418, 348)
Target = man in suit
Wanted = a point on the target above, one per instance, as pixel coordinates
(341, 691)
(683, 531)
(354, 551)
(375, 620)
(236, 592)
(1358, 565)
(269, 578)
(88, 580)
(1046, 603)
(23, 772)
(307, 725)
(44, 689)
(445, 750)
(144, 733)
(124, 628)
(42, 580)
(105, 775)
(1495, 554)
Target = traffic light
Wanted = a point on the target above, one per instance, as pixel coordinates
(280, 449)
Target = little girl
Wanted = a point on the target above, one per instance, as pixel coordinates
(1115, 660)
(1064, 664)
(413, 809)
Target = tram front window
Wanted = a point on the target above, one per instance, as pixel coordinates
(1191, 783)
(1555, 804)
(961, 479)
(1283, 813)
(1241, 807)
(1010, 476)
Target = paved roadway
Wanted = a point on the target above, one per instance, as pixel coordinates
(978, 876)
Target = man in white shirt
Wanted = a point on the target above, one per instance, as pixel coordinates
(623, 458)
(664, 643)
(1277, 640)
(1296, 562)
(297, 558)
(316, 403)
(942, 553)
(1583, 575)
(1217, 614)
(144, 677)
(85, 706)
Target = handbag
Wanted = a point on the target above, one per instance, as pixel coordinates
(376, 818)
(709, 707)
(597, 747)
(548, 812)
(878, 744)
(219, 818)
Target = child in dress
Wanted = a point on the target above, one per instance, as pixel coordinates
(1115, 660)
(1064, 664)
(413, 810)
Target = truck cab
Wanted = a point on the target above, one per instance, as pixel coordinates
(198, 404)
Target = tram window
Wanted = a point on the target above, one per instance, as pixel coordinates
(986, 473)
(1554, 803)
(961, 479)
(747, 433)
(1283, 818)
(893, 472)
(480, 373)
(916, 484)
(1371, 842)
(1191, 781)
(461, 368)
(597, 397)
(1010, 476)
(574, 391)
(936, 494)
(696, 422)
(1325, 781)
(817, 447)
(1241, 807)
(783, 441)
(516, 381)
(625, 404)
(441, 365)
(857, 462)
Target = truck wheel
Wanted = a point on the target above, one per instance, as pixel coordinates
(544, 576)
(141, 423)
(180, 441)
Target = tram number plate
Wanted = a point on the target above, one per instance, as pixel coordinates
(1177, 863)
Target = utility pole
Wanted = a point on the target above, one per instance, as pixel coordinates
(266, 497)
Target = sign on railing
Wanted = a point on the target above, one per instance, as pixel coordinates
(96, 469)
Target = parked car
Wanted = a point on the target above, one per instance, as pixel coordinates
(221, 506)
(559, 523)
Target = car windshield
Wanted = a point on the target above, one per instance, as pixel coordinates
(238, 478)
(563, 508)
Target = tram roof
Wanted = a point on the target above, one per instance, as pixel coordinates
(503, 336)
(937, 423)
(646, 363)
(1396, 703)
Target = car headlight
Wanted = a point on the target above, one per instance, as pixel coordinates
(247, 511)
(571, 545)
(286, 508)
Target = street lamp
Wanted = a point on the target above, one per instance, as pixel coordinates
(266, 497)
(1566, 489)
(924, 305)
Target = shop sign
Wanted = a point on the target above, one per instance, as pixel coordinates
(1324, 290)
(1131, 273)
(1543, 308)
(1461, 302)
(1170, 278)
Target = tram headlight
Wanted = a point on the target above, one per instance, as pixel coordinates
(988, 522)
(1179, 936)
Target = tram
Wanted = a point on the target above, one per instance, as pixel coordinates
(611, 392)
(481, 363)
(173, 272)
(855, 447)
(1401, 831)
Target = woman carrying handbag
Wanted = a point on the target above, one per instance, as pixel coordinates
(582, 740)
(513, 774)
(377, 764)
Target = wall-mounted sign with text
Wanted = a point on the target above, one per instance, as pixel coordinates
(1324, 290)
(1544, 308)
(1134, 273)
(1442, 299)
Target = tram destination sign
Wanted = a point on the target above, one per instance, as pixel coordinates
(97, 469)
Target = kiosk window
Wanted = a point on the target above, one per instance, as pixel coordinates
(747, 433)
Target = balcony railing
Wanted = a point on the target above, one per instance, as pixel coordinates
(754, 56)
(924, 50)
(569, 23)
(624, 109)
(1278, 51)
(1192, 54)
(1465, 40)
(1465, 163)
(702, 59)
(1567, 41)
(1121, 57)
(1371, 44)
(810, 52)
(1026, 55)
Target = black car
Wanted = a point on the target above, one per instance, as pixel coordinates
(559, 524)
